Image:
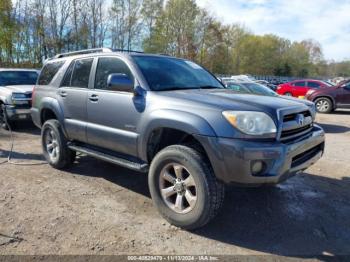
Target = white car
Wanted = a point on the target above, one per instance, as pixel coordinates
(16, 86)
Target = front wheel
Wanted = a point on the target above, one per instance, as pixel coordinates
(54, 145)
(288, 94)
(324, 105)
(184, 188)
(4, 121)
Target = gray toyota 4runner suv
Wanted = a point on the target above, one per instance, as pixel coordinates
(174, 120)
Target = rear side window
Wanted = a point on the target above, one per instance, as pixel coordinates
(301, 83)
(68, 76)
(107, 66)
(313, 84)
(48, 72)
(81, 73)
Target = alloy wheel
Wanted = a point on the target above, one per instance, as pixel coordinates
(51, 143)
(322, 105)
(178, 188)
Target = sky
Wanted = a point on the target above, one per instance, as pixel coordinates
(326, 21)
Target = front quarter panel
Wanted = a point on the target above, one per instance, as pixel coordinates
(175, 119)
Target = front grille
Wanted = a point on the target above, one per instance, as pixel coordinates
(292, 132)
(28, 95)
(24, 106)
(291, 117)
(293, 129)
(307, 155)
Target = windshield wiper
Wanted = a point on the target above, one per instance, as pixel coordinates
(209, 87)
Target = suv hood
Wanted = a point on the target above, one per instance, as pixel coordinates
(18, 88)
(230, 100)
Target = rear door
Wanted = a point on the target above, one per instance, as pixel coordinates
(112, 114)
(73, 97)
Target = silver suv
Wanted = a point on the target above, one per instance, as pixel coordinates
(174, 120)
(16, 87)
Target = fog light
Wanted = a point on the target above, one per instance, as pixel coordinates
(258, 167)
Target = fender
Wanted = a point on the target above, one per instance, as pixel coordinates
(164, 118)
(53, 105)
(3, 99)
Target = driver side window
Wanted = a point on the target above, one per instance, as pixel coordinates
(107, 66)
(299, 84)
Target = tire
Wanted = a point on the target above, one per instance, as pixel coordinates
(324, 105)
(53, 140)
(207, 190)
(288, 94)
(4, 121)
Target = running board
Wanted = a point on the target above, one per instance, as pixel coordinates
(141, 167)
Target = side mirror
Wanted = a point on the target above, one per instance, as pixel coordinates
(120, 82)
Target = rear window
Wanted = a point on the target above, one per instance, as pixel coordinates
(49, 71)
(9, 78)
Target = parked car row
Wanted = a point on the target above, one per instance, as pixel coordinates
(326, 96)
(299, 88)
(16, 87)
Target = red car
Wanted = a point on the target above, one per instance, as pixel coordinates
(299, 88)
(327, 100)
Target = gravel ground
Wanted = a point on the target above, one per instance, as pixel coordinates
(97, 208)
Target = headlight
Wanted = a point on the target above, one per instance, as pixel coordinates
(313, 110)
(251, 122)
(310, 91)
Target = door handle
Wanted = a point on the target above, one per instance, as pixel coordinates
(93, 98)
(63, 93)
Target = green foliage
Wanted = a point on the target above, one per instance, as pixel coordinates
(33, 30)
(7, 31)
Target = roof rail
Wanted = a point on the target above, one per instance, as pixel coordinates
(126, 51)
(86, 51)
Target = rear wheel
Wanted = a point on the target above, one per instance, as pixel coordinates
(288, 94)
(324, 105)
(54, 145)
(184, 188)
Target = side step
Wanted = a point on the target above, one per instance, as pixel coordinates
(141, 167)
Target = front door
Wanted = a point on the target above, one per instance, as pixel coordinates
(73, 95)
(344, 98)
(112, 114)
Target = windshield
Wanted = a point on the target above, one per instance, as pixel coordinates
(237, 88)
(328, 83)
(10, 78)
(259, 89)
(167, 73)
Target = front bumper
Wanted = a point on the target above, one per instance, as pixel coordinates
(15, 113)
(232, 159)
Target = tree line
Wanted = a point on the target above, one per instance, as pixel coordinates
(33, 30)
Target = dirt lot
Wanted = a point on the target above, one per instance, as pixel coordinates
(98, 208)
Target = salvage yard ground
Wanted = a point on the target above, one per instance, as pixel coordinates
(98, 208)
